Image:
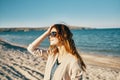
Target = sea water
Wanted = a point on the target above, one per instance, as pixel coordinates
(97, 41)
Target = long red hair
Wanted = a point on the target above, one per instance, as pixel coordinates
(65, 37)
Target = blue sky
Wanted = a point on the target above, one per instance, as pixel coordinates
(40, 13)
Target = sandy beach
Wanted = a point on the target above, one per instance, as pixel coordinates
(16, 63)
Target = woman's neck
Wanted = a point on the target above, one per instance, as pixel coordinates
(61, 50)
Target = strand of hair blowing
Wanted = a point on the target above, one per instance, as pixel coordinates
(75, 53)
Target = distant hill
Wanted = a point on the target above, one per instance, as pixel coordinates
(41, 28)
(19, 29)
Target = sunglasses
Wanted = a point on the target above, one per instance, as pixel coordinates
(53, 34)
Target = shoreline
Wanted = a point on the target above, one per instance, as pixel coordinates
(93, 59)
(83, 52)
(17, 63)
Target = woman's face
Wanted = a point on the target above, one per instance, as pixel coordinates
(53, 37)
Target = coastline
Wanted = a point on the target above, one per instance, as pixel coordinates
(8, 29)
(17, 63)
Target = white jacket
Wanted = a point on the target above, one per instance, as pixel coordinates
(69, 69)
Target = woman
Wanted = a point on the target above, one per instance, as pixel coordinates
(64, 62)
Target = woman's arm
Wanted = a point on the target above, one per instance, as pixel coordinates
(76, 72)
(33, 47)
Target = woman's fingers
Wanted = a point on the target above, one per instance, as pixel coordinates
(49, 29)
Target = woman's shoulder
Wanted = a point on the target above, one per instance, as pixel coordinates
(71, 58)
(73, 61)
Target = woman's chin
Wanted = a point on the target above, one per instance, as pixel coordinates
(52, 44)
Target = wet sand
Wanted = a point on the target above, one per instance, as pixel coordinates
(16, 63)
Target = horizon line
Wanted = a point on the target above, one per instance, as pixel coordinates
(69, 25)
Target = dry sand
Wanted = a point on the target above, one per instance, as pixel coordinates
(16, 63)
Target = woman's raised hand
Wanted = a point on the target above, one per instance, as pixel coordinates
(48, 30)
